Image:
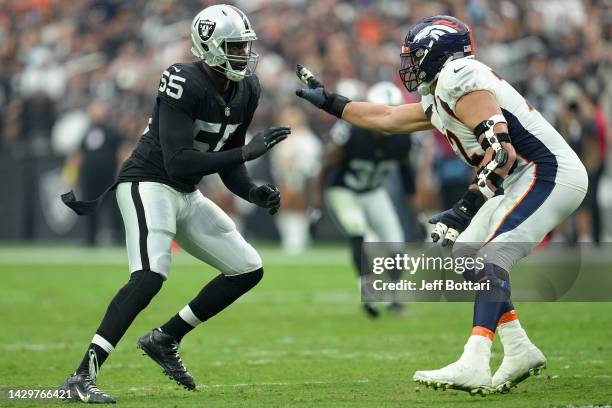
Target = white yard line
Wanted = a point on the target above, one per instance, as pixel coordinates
(36, 346)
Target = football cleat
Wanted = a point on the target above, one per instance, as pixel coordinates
(163, 349)
(518, 365)
(471, 373)
(82, 388)
(370, 310)
(459, 375)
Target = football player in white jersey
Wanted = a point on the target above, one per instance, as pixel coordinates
(528, 181)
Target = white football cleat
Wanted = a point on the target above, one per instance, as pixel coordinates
(518, 365)
(471, 373)
(522, 358)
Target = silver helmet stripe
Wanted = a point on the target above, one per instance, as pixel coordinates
(244, 18)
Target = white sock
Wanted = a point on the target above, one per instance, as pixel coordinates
(103, 343)
(189, 317)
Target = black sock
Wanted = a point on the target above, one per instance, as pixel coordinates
(98, 358)
(218, 294)
(176, 327)
(121, 312)
(356, 252)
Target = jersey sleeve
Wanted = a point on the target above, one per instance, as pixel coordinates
(177, 89)
(463, 76)
(340, 133)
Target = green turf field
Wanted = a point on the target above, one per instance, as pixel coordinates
(299, 339)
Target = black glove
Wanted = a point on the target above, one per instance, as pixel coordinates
(450, 223)
(264, 141)
(266, 196)
(317, 95)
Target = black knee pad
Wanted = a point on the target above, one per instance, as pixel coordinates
(497, 276)
(247, 280)
(140, 289)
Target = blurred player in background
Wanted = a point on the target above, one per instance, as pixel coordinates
(354, 168)
(528, 180)
(201, 115)
(293, 164)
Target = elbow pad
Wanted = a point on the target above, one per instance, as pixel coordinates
(494, 140)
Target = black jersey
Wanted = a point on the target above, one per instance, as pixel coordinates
(369, 157)
(217, 125)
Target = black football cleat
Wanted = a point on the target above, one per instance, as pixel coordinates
(370, 310)
(82, 388)
(163, 349)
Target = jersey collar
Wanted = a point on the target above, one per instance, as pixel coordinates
(236, 98)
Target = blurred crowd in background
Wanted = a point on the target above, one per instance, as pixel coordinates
(78, 80)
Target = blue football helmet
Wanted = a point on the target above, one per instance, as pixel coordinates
(429, 44)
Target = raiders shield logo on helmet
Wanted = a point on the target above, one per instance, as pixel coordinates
(206, 29)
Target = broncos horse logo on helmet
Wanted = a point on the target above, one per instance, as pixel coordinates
(429, 44)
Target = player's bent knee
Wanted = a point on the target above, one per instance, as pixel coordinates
(497, 276)
(251, 261)
(143, 286)
(160, 253)
(465, 249)
(249, 279)
(252, 258)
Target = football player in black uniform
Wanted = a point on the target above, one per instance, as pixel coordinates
(198, 127)
(354, 167)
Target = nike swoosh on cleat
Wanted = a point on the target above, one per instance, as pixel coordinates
(83, 398)
(458, 69)
(176, 69)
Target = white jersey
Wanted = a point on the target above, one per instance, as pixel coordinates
(538, 145)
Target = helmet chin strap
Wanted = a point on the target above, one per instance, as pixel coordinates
(228, 73)
(424, 89)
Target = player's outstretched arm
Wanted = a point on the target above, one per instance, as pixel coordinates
(181, 159)
(381, 118)
(406, 118)
(237, 179)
